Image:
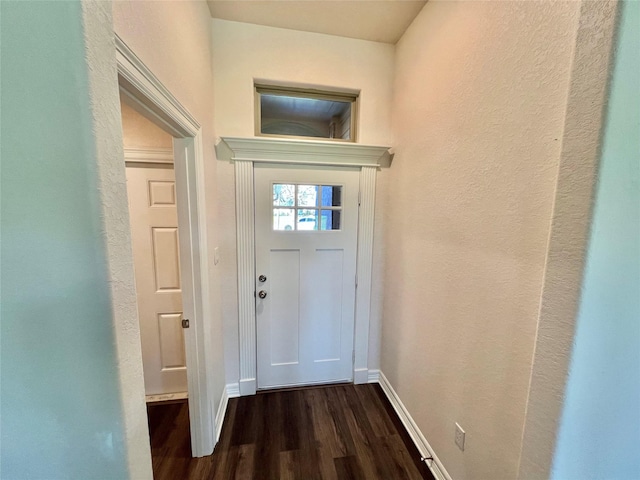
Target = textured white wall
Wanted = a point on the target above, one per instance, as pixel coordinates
(478, 117)
(173, 40)
(567, 244)
(114, 218)
(606, 352)
(244, 52)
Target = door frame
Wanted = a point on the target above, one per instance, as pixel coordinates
(244, 153)
(142, 90)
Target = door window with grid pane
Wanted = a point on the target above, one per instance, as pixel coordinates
(307, 207)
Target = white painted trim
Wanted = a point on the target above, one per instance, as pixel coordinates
(142, 89)
(134, 76)
(244, 152)
(360, 375)
(233, 390)
(374, 376)
(363, 272)
(342, 381)
(304, 152)
(149, 155)
(246, 275)
(435, 465)
(188, 155)
(311, 161)
(165, 397)
(248, 386)
(222, 410)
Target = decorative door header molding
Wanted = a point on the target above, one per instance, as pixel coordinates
(244, 152)
(307, 152)
(148, 155)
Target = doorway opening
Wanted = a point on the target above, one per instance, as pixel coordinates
(165, 181)
(151, 191)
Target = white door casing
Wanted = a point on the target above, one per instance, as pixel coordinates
(154, 234)
(304, 323)
(247, 152)
(148, 96)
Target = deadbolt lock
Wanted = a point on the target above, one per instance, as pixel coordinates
(185, 323)
(262, 278)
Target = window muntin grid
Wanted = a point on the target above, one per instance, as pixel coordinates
(299, 207)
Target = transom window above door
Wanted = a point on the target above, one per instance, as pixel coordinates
(307, 207)
(305, 113)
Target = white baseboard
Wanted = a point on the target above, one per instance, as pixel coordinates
(222, 410)
(435, 465)
(374, 376)
(233, 390)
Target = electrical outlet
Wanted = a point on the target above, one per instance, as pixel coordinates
(460, 437)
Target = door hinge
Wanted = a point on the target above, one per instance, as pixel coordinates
(356, 281)
(185, 323)
(359, 198)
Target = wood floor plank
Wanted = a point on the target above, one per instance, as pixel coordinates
(326, 466)
(361, 432)
(323, 424)
(245, 462)
(342, 439)
(338, 432)
(306, 464)
(289, 466)
(375, 411)
(398, 428)
(308, 437)
(348, 468)
(399, 465)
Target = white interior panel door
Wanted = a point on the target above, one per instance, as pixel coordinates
(306, 239)
(154, 232)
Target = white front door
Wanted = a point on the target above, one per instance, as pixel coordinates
(154, 232)
(306, 228)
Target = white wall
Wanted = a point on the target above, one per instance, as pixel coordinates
(173, 39)
(478, 117)
(601, 415)
(139, 132)
(567, 245)
(244, 52)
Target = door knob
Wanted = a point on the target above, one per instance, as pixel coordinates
(262, 278)
(262, 294)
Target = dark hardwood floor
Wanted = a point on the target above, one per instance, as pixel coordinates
(332, 432)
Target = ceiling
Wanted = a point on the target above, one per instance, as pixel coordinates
(378, 21)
